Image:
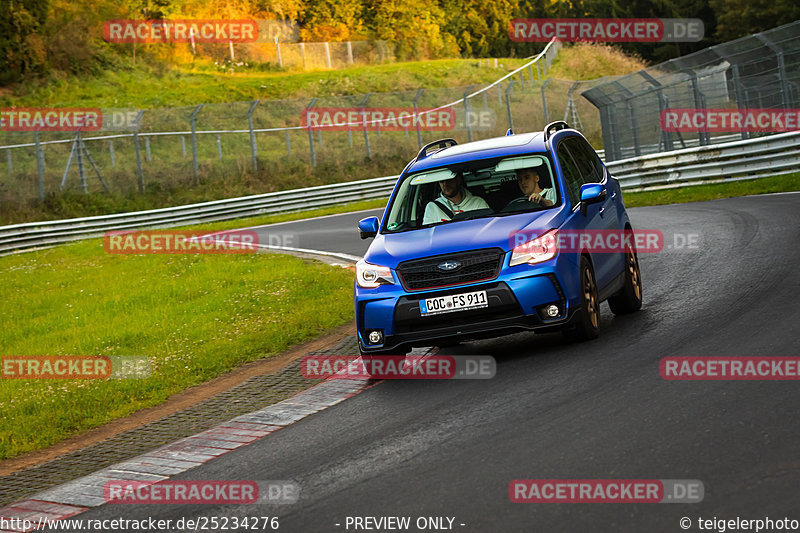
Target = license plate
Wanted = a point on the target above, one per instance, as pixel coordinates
(453, 302)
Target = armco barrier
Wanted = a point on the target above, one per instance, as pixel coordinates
(763, 156)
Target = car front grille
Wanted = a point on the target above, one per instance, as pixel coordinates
(425, 273)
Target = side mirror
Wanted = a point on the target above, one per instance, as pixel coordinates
(591, 193)
(368, 227)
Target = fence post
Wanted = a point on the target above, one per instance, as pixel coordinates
(303, 54)
(416, 116)
(288, 143)
(193, 121)
(278, 50)
(111, 152)
(328, 53)
(138, 151)
(509, 90)
(10, 163)
(741, 101)
(39, 165)
(219, 147)
(81, 173)
(544, 101)
(310, 135)
(66, 169)
(364, 117)
(253, 147)
(183, 146)
(467, 106)
(147, 148)
(786, 96)
(349, 52)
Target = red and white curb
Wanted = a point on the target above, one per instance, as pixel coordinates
(79, 495)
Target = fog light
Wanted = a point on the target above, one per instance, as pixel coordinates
(375, 337)
(552, 310)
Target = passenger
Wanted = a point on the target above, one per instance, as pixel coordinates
(528, 181)
(454, 197)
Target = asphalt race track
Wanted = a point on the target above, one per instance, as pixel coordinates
(564, 411)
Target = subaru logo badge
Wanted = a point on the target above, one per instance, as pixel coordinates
(447, 266)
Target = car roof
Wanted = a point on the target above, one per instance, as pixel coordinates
(514, 144)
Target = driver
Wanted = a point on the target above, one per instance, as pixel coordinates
(454, 197)
(528, 181)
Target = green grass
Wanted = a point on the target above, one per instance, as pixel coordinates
(699, 193)
(146, 88)
(195, 316)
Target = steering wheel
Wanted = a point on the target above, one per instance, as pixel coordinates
(519, 201)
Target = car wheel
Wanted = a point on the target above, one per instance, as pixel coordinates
(587, 325)
(629, 298)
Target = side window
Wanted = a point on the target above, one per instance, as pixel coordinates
(572, 174)
(592, 159)
(586, 158)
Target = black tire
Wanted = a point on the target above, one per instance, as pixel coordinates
(587, 321)
(629, 298)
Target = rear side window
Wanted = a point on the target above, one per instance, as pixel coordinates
(586, 159)
(572, 174)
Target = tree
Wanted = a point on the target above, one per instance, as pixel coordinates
(737, 18)
(21, 48)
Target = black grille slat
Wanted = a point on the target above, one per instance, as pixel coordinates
(477, 265)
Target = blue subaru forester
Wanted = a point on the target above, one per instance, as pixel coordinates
(471, 245)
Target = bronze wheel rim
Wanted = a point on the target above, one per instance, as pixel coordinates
(590, 297)
(633, 274)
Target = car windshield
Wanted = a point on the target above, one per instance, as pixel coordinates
(477, 189)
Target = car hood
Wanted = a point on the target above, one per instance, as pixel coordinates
(496, 232)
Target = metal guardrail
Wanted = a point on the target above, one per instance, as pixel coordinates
(763, 156)
(771, 155)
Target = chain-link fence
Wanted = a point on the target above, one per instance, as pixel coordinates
(319, 140)
(761, 71)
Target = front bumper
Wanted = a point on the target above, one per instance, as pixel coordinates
(515, 299)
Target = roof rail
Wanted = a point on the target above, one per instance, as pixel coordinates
(441, 143)
(555, 126)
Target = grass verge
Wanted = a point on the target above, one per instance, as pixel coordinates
(195, 316)
(714, 191)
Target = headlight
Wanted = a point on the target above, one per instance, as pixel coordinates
(370, 276)
(542, 248)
